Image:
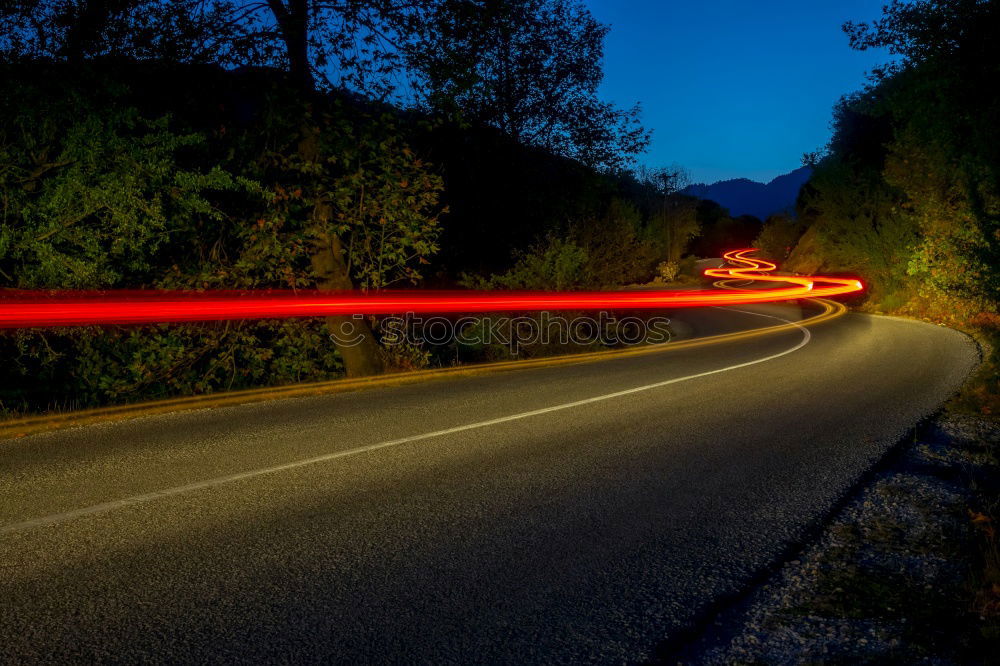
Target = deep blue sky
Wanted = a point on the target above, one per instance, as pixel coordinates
(733, 88)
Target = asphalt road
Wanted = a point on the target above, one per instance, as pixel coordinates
(577, 513)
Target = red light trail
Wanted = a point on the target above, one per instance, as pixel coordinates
(21, 309)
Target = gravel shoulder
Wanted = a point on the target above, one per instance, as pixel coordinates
(894, 577)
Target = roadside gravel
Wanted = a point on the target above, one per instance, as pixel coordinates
(892, 578)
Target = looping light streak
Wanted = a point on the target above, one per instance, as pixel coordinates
(33, 309)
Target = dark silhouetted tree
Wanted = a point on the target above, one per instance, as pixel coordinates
(528, 67)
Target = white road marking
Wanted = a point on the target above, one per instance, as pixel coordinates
(221, 480)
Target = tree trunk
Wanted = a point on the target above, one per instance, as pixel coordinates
(353, 337)
(293, 22)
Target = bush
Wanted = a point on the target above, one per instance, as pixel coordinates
(668, 270)
(778, 236)
(88, 367)
(554, 264)
(107, 182)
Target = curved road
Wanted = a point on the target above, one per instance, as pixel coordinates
(577, 513)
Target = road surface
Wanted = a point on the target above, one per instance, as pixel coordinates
(576, 513)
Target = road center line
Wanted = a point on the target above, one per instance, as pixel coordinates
(222, 480)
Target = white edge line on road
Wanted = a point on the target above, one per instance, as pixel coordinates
(221, 480)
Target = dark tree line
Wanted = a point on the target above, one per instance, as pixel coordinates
(528, 67)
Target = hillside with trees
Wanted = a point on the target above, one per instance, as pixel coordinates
(907, 193)
(295, 145)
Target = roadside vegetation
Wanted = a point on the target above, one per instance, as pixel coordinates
(296, 145)
(907, 193)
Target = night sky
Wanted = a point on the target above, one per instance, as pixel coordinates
(733, 88)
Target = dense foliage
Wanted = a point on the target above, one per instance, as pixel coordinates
(908, 193)
(293, 144)
(150, 191)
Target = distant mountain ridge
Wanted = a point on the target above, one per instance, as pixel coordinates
(748, 197)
